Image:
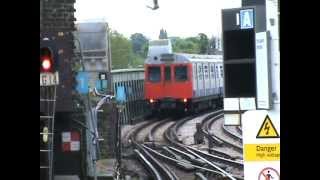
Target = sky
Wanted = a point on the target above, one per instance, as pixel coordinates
(182, 18)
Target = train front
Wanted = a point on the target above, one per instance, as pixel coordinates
(168, 85)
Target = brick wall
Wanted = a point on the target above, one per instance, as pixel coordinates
(57, 15)
(56, 18)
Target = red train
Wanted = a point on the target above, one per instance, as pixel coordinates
(186, 82)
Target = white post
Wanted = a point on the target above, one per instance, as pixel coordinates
(261, 128)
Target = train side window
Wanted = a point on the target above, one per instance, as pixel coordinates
(181, 73)
(212, 71)
(221, 70)
(195, 74)
(217, 72)
(154, 74)
(167, 73)
(200, 71)
(206, 72)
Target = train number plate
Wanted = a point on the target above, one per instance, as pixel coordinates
(49, 79)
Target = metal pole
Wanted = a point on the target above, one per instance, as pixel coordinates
(95, 170)
(120, 108)
(88, 104)
(109, 78)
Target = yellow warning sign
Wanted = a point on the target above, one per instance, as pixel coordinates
(262, 152)
(267, 129)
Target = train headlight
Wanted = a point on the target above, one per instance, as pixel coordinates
(185, 100)
(151, 101)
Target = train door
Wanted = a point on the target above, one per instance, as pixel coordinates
(167, 82)
(221, 79)
(216, 68)
(200, 79)
(212, 79)
(194, 79)
(206, 78)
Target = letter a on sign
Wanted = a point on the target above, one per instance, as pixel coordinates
(246, 18)
(267, 129)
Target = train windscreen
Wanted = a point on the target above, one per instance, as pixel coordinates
(180, 73)
(154, 74)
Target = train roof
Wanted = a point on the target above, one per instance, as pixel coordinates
(183, 58)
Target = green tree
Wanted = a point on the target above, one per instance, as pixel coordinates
(139, 42)
(188, 45)
(203, 43)
(121, 51)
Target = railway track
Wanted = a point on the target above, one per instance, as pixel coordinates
(239, 129)
(161, 151)
(135, 139)
(215, 130)
(232, 131)
(223, 161)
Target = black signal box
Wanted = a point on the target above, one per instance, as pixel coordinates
(239, 27)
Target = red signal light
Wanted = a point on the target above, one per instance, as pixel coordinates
(46, 60)
(46, 64)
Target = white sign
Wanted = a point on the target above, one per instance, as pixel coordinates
(246, 19)
(247, 103)
(232, 119)
(49, 79)
(231, 104)
(66, 137)
(75, 146)
(261, 144)
(262, 71)
(269, 173)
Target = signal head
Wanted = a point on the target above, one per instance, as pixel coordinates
(46, 60)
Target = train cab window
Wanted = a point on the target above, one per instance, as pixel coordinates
(154, 74)
(167, 73)
(181, 73)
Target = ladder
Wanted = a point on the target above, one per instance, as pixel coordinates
(47, 114)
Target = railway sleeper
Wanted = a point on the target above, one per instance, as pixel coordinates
(221, 154)
(190, 157)
(172, 154)
(164, 171)
(151, 168)
(210, 175)
(214, 141)
(184, 166)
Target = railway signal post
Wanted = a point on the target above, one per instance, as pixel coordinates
(49, 80)
(252, 84)
(120, 98)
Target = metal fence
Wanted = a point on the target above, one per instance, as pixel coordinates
(132, 80)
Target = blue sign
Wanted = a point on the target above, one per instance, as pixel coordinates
(101, 85)
(82, 82)
(121, 95)
(246, 19)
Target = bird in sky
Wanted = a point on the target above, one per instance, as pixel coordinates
(155, 3)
